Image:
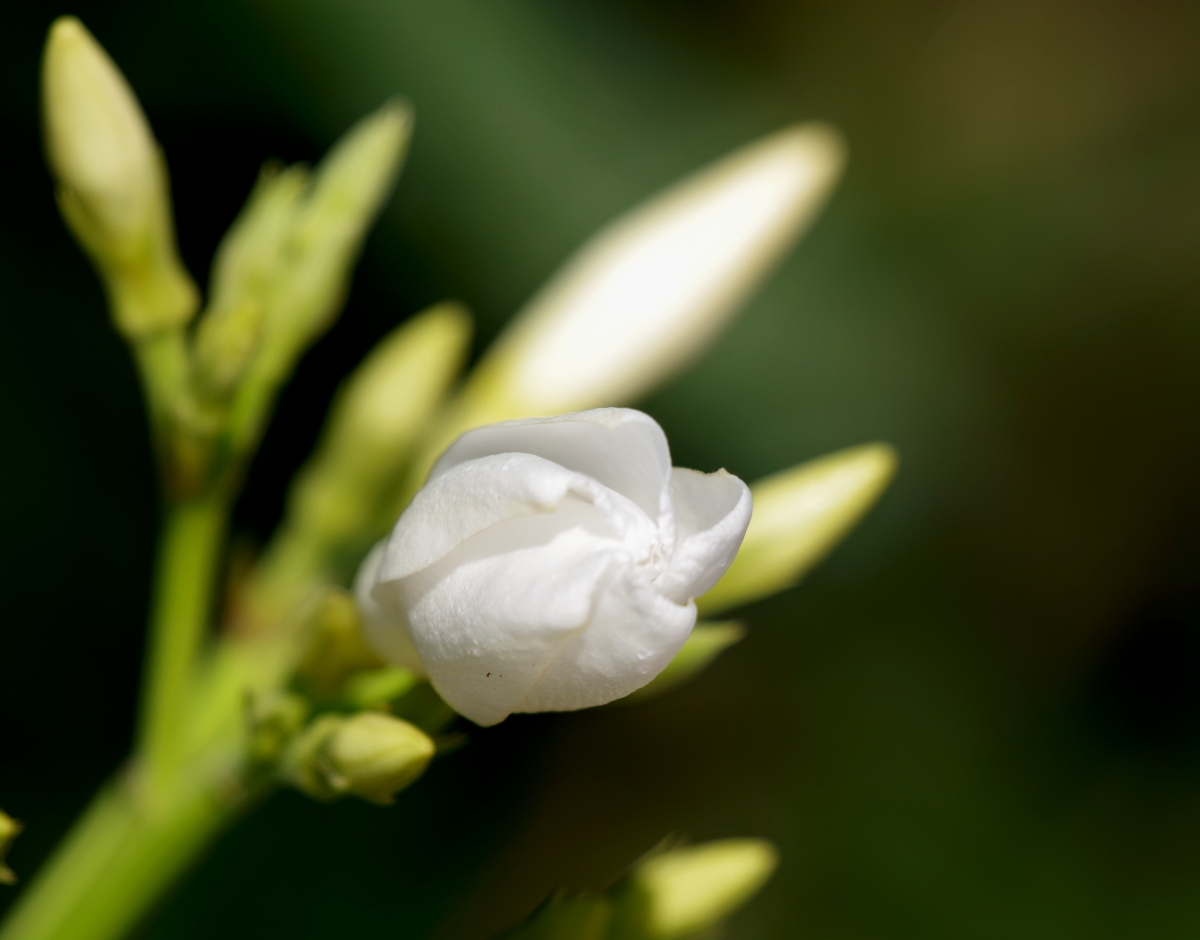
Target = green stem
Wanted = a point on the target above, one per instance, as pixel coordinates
(187, 570)
(116, 863)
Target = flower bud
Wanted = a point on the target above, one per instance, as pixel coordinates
(707, 642)
(327, 228)
(648, 293)
(112, 181)
(345, 497)
(682, 891)
(799, 516)
(336, 647)
(550, 564)
(348, 489)
(225, 342)
(274, 719)
(370, 754)
(9, 830)
(292, 251)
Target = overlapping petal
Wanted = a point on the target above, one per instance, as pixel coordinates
(550, 564)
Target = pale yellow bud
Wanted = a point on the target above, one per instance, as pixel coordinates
(370, 754)
(375, 755)
(292, 251)
(112, 182)
(799, 516)
(346, 496)
(389, 397)
(97, 138)
(678, 893)
(329, 224)
(226, 339)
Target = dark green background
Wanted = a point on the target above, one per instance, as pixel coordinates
(981, 718)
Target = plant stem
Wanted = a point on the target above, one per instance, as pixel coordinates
(141, 830)
(116, 862)
(187, 567)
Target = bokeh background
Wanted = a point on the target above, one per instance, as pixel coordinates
(980, 718)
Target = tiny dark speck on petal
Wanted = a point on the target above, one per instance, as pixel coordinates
(489, 675)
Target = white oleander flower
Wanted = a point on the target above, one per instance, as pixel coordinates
(550, 564)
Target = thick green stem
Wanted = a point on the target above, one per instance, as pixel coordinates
(116, 863)
(184, 583)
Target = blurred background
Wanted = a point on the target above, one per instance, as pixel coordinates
(981, 717)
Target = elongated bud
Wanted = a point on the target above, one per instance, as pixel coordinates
(293, 250)
(647, 294)
(345, 497)
(706, 643)
(253, 254)
(225, 342)
(371, 755)
(9, 830)
(680, 892)
(388, 398)
(330, 223)
(112, 182)
(799, 516)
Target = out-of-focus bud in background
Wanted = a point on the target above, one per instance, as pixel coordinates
(647, 294)
(336, 648)
(112, 182)
(370, 754)
(9, 830)
(292, 250)
(226, 339)
(683, 891)
(274, 719)
(346, 496)
(373, 423)
(800, 514)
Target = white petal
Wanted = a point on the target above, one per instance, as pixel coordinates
(384, 624)
(634, 632)
(624, 449)
(712, 511)
(469, 497)
(490, 617)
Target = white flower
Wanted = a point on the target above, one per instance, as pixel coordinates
(550, 564)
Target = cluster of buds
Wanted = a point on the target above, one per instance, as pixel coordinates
(279, 276)
(538, 563)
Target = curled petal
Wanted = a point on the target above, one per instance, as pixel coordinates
(712, 512)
